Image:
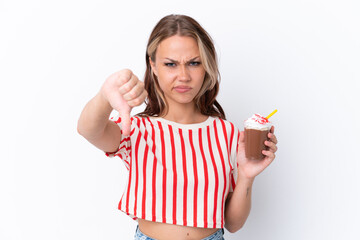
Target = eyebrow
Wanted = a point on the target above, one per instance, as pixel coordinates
(172, 60)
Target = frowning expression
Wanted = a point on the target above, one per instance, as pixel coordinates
(179, 69)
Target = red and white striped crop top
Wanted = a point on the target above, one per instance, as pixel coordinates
(178, 173)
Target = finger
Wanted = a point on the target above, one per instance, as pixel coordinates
(135, 92)
(129, 85)
(273, 138)
(272, 146)
(272, 129)
(139, 100)
(122, 77)
(125, 123)
(270, 156)
(268, 153)
(115, 100)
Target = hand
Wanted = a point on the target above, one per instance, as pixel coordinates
(123, 90)
(248, 168)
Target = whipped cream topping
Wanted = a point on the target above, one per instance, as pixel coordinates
(258, 122)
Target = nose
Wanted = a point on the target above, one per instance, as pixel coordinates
(183, 73)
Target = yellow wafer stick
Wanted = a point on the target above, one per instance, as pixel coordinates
(271, 114)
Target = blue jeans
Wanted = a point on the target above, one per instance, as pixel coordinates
(218, 235)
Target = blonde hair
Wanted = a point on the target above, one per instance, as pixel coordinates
(205, 100)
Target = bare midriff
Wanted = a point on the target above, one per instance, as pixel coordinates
(165, 231)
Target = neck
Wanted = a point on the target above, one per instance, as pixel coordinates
(185, 114)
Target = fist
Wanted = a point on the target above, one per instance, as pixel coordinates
(123, 90)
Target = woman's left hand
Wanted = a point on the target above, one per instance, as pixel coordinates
(248, 168)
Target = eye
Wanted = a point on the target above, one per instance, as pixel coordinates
(169, 64)
(195, 63)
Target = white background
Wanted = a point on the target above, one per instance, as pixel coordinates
(301, 57)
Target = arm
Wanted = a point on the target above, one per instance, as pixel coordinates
(95, 126)
(121, 91)
(238, 204)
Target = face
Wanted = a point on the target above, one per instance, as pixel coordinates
(179, 69)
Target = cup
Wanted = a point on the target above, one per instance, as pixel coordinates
(256, 133)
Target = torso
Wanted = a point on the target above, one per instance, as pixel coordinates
(165, 231)
(162, 231)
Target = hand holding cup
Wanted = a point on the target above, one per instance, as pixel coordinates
(256, 147)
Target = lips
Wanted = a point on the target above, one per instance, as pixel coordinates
(182, 88)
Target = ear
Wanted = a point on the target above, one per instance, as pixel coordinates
(153, 67)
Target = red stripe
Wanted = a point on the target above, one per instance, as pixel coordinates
(153, 187)
(238, 138)
(216, 177)
(206, 180)
(185, 178)
(195, 177)
(231, 139)
(232, 181)
(126, 148)
(232, 135)
(120, 203)
(164, 173)
(129, 186)
(227, 140)
(237, 145)
(128, 168)
(127, 139)
(137, 167)
(118, 120)
(132, 132)
(173, 152)
(224, 172)
(143, 206)
(227, 146)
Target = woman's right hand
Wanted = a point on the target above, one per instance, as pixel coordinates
(123, 90)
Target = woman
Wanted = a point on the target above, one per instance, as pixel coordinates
(188, 175)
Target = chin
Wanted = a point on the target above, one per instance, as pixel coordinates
(184, 100)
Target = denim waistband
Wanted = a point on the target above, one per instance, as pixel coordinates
(218, 235)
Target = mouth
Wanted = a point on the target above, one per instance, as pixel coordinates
(182, 89)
